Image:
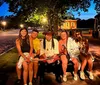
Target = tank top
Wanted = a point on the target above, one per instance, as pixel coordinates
(25, 46)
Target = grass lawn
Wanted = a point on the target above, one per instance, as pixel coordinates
(9, 59)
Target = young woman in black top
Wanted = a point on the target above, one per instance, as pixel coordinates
(24, 47)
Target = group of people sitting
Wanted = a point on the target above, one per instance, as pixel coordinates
(35, 56)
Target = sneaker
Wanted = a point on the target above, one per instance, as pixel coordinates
(75, 77)
(82, 75)
(25, 84)
(30, 83)
(65, 78)
(91, 75)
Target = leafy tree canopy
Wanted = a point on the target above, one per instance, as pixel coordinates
(52, 9)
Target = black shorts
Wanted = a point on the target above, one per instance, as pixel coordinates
(37, 56)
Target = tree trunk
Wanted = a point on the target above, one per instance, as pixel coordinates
(53, 20)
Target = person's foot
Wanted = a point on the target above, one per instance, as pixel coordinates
(75, 77)
(58, 79)
(18, 81)
(30, 83)
(82, 75)
(65, 78)
(91, 75)
(25, 84)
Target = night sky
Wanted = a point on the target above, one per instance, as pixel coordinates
(84, 15)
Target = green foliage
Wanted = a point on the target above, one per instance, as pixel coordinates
(62, 5)
(40, 35)
(37, 18)
(54, 10)
(9, 59)
(33, 18)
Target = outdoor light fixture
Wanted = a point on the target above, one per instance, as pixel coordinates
(44, 20)
(4, 23)
(21, 25)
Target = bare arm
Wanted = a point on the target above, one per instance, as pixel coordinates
(31, 46)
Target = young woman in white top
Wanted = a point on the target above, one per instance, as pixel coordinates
(74, 52)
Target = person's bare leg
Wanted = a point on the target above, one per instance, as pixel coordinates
(64, 66)
(83, 65)
(90, 63)
(18, 71)
(64, 63)
(25, 73)
(76, 65)
(75, 61)
(90, 66)
(83, 62)
(35, 67)
(30, 71)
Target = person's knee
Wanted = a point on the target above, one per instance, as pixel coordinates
(26, 69)
(90, 61)
(35, 62)
(84, 60)
(75, 62)
(31, 68)
(63, 57)
(64, 62)
(25, 66)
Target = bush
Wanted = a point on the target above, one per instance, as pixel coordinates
(40, 35)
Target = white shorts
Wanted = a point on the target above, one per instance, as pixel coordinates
(21, 59)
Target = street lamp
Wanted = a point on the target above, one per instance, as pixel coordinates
(21, 25)
(44, 20)
(4, 23)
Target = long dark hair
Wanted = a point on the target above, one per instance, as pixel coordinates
(26, 37)
(44, 43)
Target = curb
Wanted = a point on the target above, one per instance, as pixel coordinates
(6, 51)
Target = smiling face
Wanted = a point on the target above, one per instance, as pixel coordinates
(34, 34)
(23, 32)
(48, 37)
(63, 35)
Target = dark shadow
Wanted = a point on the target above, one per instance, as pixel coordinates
(3, 78)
